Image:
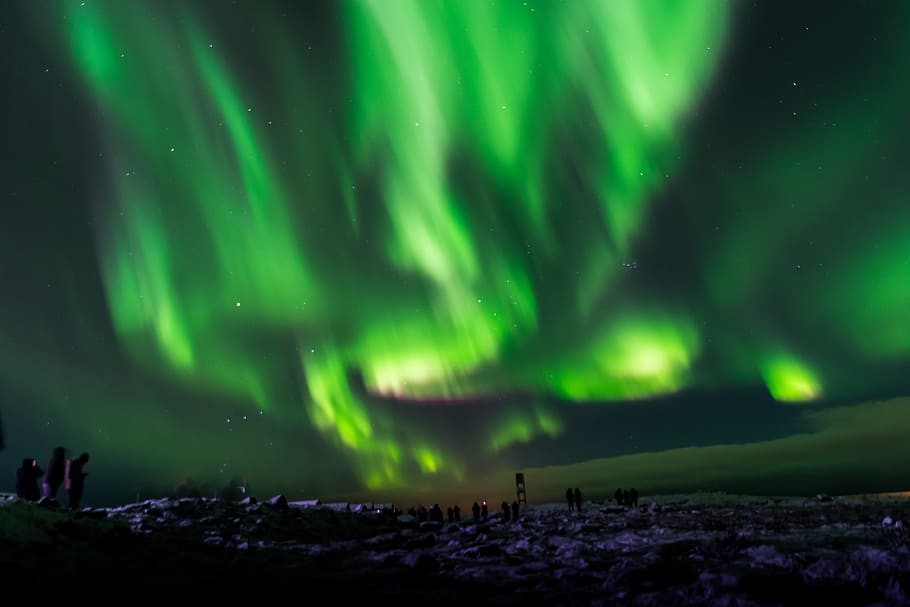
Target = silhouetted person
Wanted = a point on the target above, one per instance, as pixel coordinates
(27, 480)
(626, 497)
(75, 479)
(476, 510)
(421, 513)
(578, 499)
(570, 499)
(506, 511)
(618, 496)
(457, 511)
(53, 476)
(484, 511)
(515, 511)
(436, 513)
(450, 514)
(633, 497)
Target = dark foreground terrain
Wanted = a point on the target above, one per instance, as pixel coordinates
(702, 549)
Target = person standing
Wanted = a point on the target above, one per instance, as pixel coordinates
(570, 499)
(27, 480)
(75, 479)
(56, 469)
(578, 499)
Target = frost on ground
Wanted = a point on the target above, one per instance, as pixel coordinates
(703, 549)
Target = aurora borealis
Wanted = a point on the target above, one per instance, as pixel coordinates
(397, 244)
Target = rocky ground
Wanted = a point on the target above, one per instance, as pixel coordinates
(707, 549)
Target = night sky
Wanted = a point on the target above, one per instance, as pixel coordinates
(402, 248)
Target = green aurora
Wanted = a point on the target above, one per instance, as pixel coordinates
(337, 217)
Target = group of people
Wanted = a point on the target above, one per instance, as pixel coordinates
(480, 512)
(60, 471)
(510, 512)
(421, 513)
(626, 497)
(573, 498)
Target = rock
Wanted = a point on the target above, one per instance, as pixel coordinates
(278, 502)
(48, 502)
(603, 551)
(420, 561)
(422, 541)
(489, 550)
(306, 503)
(481, 551)
(249, 501)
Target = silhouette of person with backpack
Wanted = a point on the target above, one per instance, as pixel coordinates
(56, 470)
(75, 479)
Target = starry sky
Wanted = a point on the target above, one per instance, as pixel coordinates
(402, 248)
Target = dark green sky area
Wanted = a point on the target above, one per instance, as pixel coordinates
(406, 248)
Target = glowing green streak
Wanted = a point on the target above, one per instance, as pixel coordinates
(788, 380)
(335, 407)
(437, 79)
(415, 241)
(146, 298)
(872, 291)
(522, 426)
(201, 224)
(638, 81)
(375, 440)
(634, 357)
(812, 235)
